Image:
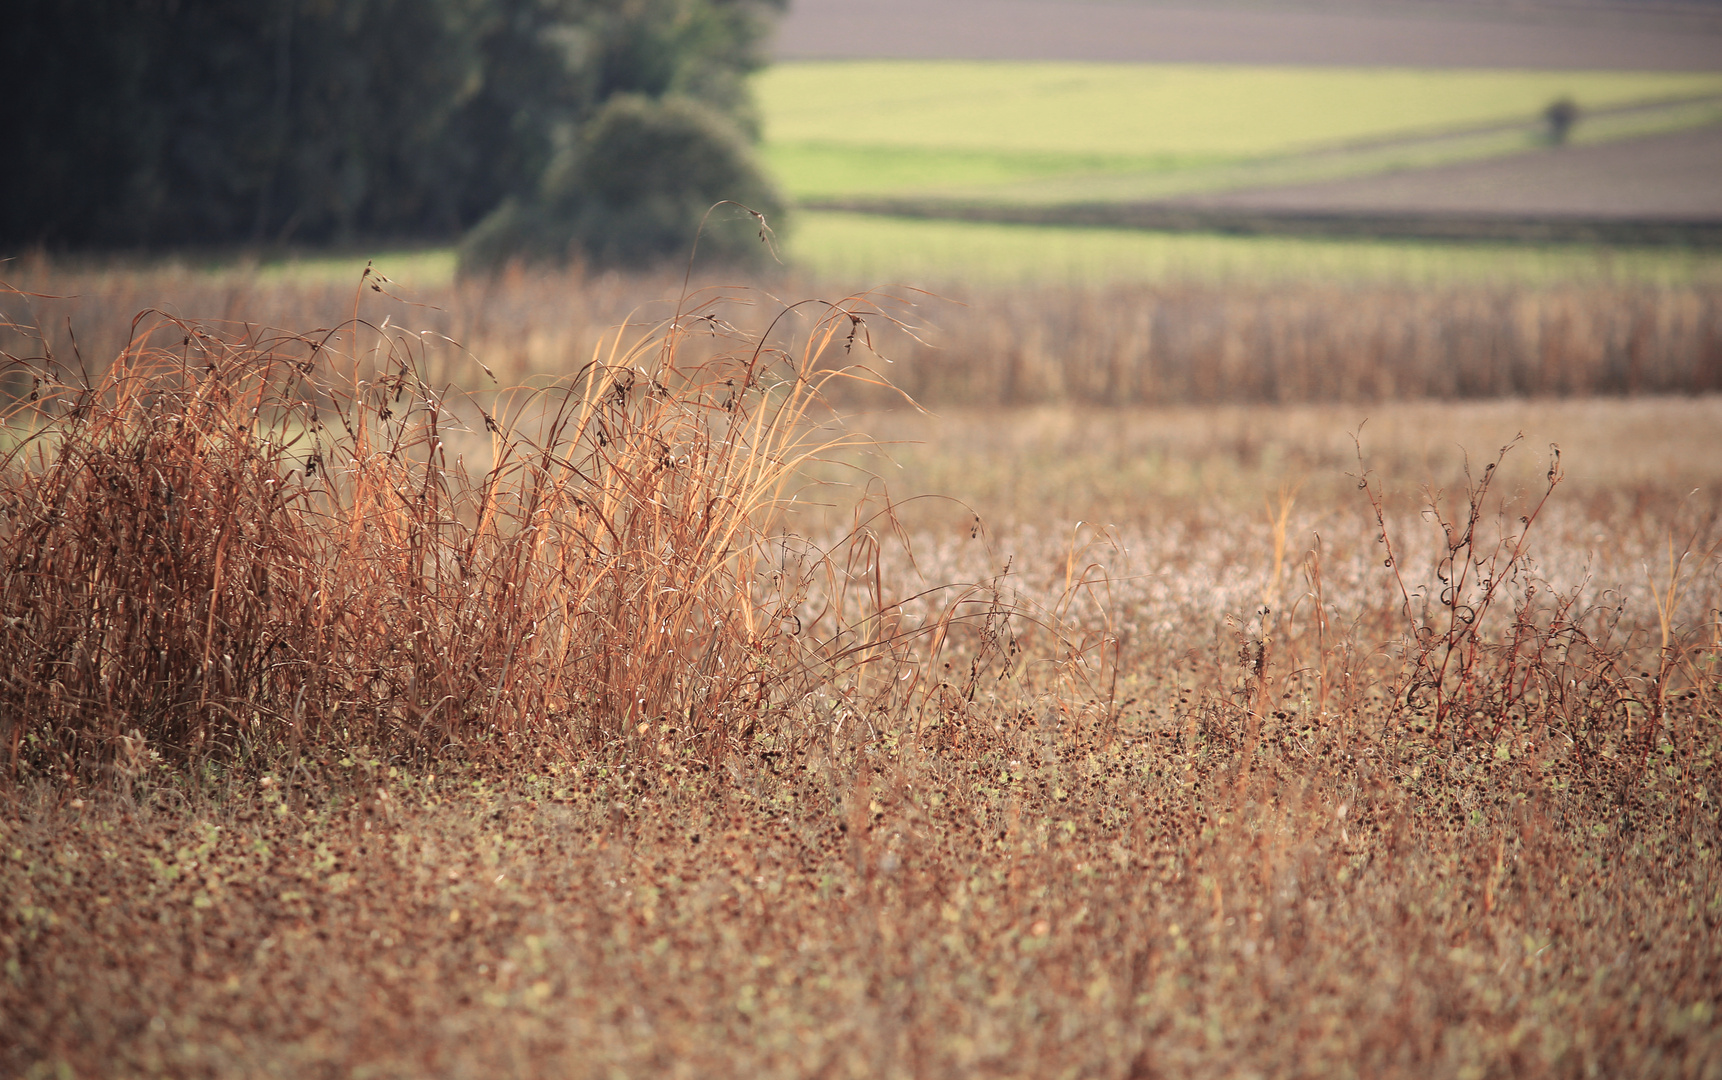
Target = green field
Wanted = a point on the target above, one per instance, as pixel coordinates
(863, 250)
(873, 249)
(1057, 131)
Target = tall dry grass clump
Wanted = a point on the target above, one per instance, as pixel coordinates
(246, 545)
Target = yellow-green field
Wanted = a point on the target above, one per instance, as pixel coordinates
(1060, 133)
(1028, 131)
(871, 248)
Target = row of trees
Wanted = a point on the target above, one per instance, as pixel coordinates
(604, 127)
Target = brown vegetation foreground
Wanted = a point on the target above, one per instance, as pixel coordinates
(1331, 786)
(1348, 906)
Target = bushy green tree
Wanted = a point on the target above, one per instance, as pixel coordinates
(645, 177)
(172, 122)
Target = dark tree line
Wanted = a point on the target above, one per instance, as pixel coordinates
(147, 123)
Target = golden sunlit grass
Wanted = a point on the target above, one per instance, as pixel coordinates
(1156, 767)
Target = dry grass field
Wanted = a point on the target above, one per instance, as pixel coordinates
(1204, 321)
(365, 718)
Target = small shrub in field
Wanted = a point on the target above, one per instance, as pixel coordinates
(647, 178)
(1492, 648)
(1559, 118)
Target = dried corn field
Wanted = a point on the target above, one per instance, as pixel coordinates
(1214, 738)
(1174, 343)
(1292, 344)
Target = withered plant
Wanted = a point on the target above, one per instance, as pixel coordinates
(1492, 649)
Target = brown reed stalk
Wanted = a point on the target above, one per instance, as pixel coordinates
(1492, 648)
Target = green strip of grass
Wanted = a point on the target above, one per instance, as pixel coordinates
(426, 268)
(864, 248)
(869, 249)
(840, 170)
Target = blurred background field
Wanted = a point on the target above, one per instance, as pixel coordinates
(422, 664)
(1051, 132)
(876, 248)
